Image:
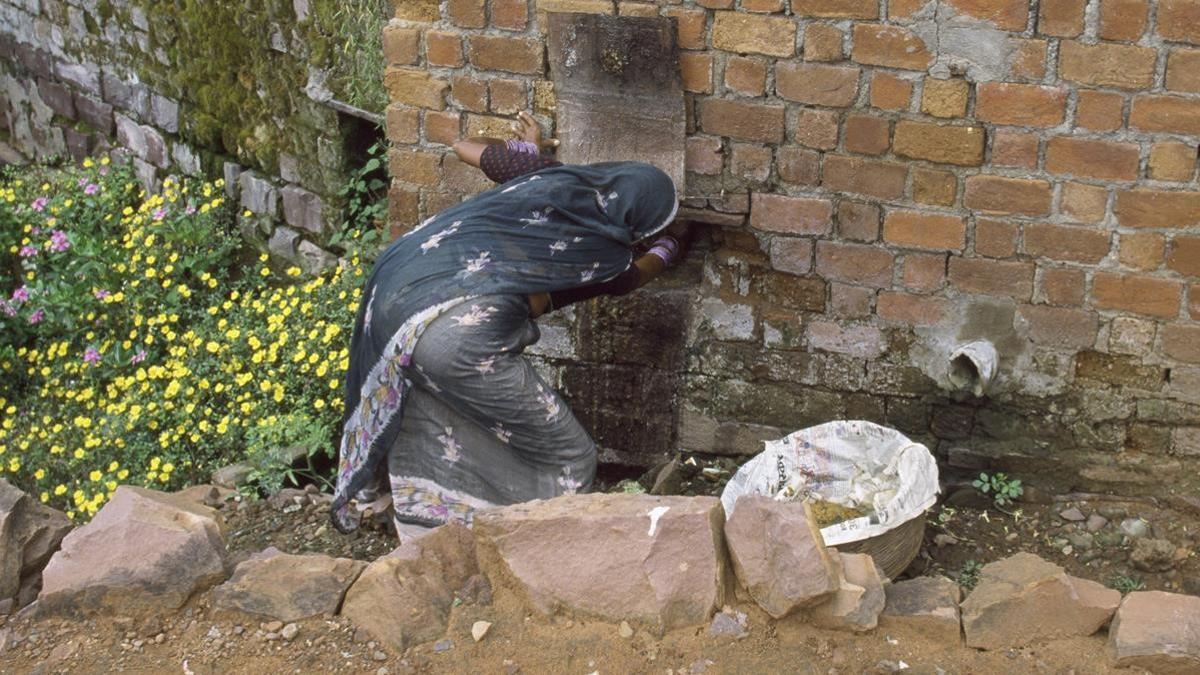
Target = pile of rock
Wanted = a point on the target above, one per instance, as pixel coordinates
(655, 562)
(30, 532)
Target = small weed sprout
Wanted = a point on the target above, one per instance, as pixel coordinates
(999, 486)
(968, 574)
(1126, 584)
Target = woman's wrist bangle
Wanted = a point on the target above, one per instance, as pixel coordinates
(662, 254)
(522, 146)
(668, 242)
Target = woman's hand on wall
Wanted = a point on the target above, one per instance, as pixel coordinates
(527, 129)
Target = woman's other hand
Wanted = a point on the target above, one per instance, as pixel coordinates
(527, 129)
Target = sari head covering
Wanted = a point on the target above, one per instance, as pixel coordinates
(552, 230)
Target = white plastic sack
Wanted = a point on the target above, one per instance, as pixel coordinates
(852, 463)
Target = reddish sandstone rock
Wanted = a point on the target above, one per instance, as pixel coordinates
(1023, 599)
(145, 551)
(925, 605)
(858, 601)
(656, 560)
(287, 587)
(1157, 631)
(779, 556)
(29, 534)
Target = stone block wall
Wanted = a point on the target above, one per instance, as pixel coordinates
(234, 89)
(884, 181)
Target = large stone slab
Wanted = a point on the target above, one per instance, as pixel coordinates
(287, 587)
(1023, 599)
(779, 556)
(1157, 631)
(30, 532)
(656, 560)
(927, 606)
(404, 598)
(145, 551)
(859, 599)
(619, 90)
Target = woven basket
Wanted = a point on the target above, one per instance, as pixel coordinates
(895, 549)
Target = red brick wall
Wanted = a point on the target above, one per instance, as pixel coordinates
(890, 178)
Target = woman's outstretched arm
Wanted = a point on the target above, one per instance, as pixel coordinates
(470, 150)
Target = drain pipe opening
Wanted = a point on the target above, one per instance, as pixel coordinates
(973, 366)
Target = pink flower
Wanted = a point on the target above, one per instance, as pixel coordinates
(28, 251)
(21, 294)
(191, 208)
(91, 189)
(91, 356)
(101, 294)
(104, 171)
(59, 241)
(37, 317)
(138, 357)
(160, 213)
(39, 203)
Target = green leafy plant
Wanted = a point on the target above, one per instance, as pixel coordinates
(1126, 584)
(365, 194)
(968, 574)
(999, 486)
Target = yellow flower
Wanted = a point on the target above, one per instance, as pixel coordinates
(95, 476)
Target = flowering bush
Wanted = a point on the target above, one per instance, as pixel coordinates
(142, 345)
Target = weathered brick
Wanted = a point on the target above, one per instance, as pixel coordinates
(944, 144)
(444, 48)
(1061, 18)
(467, 13)
(884, 180)
(745, 121)
(798, 166)
(545, 7)
(1194, 302)
(903, 9)
(1185, 256)
(469, 93)
(403, 124)
(417, 88)
(415, 167)
(1064, 242)
(746, 75)
(715, 4)
(1023, 105)
(642, 9)
(851, 302)
(697, 70)
(1181, 342)
(1014, 148)
(992, 277)
(930, 231)
(458, 176)
(490, 126)
(1029, 59)
(1059, 326)
(1006, 14)
(788, 291)
(511, 54)
(443, 127)
(1149, 296)
(508, 97)
(996, 238)
(510, 14)
(1141, 250)
(792, 255)
(1123, 19)
(762, 6)
(1165, 113)
(840, 9)
(1084, 203)
(890, 92)
(1107, 65)
(1007, 195)
(823, 42)
(1183, 70)
(864, 342)
(1062, 286)
(891, 46)
(693, 24)
(834, 86)
(1172, 160)
(816, 128)
(1179, 20)
(945, 98)
(703, 155)
(1100, 110)
(930, 186)
(1157, 208)
(924, 271)
(790, 215)
(867, 134)
(753, 34)
(909, 309)
(855, 263)
(404, 209)
(751, 162)
(858, 221)
(418, 10)
(401, 45)
(1091, 158)
(1117, 370)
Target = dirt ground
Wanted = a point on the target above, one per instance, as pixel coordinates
(195, 641)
